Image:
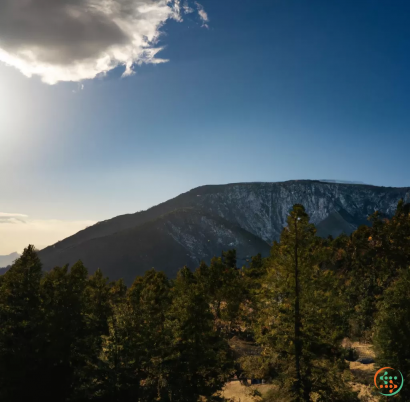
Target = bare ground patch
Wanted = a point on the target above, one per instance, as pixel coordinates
(236, 392)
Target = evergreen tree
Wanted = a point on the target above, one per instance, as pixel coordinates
(368, 261)
(256, 268)
(132, 364)
(97, 300)
(353, 259)
(229, 258)
(118, 376)
(253, 277)
(225, 290)
(200, 361)
(150, 299)
(392, 329)
(66, 337)
(299, 323)
(20, 329)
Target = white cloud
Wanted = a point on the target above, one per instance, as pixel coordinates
(73, 40)
(17, 231)
(12, 218)
(8, 215)
(203, 15)
(187, 8)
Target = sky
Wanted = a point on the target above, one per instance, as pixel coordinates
(110, 107)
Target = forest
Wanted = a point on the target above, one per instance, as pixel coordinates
(67, 336)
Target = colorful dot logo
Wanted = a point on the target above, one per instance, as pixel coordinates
(389, 381)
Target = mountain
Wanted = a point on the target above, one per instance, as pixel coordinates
(6, 260)
(183, 237)
(204, 221)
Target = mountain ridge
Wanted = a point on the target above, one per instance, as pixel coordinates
(258, 208)
(198, 191)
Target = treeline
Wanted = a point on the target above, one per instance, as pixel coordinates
(70, 337)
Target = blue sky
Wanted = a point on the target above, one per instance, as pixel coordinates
(269, 91)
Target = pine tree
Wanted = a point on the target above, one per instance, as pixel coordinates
(98, 301)
(132, 364)
(65, 350)
(225, 290)
(118, 376)
(369, 261)
(392, 329)
(150, 299)
(20, 332)
(256, 268)
(229, 258)
(200, 361)
(299, 323)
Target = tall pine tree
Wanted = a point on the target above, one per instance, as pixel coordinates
(20, 329)
(299, 315)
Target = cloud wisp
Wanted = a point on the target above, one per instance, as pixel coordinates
(8, 215)
(74, 40)
(17, 231)
(12, 218)
(203, 15)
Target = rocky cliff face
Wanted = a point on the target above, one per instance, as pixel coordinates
(204, 235)
(261, 208)
(204, 221)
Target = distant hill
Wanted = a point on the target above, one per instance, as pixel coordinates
(4, 270)
(6, 260)
(206, 220)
